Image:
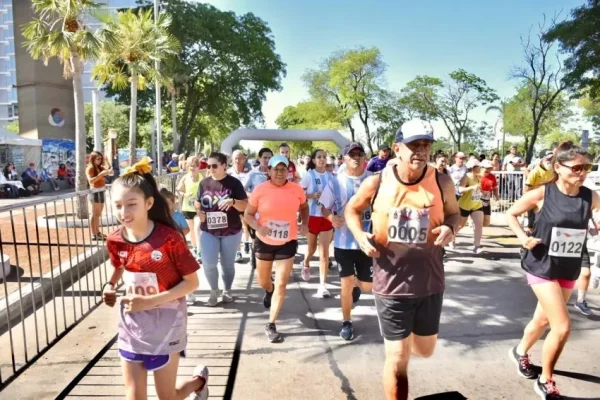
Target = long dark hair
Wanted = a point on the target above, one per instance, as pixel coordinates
(568, 151)
(93, 156)
(311, 163)
(5, 170)
(159, 212)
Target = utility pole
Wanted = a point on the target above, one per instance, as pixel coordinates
(157, 112)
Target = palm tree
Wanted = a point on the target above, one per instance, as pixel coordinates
(501, 112)
(59, 31)
(140, 42)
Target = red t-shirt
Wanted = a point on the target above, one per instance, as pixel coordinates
(488, 182)
(164, 252)
(291, 171)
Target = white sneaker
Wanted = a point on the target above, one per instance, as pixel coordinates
(595, 277)
(213, 300)
(305, 273)
(200, 372)
(227, 297)
(191, 298)
(238, 256)
(323, 292)
(476, 249)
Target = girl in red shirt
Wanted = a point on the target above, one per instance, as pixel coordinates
(150, 253)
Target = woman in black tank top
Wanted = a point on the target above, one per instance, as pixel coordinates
(552, 259)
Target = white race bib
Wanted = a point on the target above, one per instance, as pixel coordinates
(191, 201)
(280, 230)
(476, 195)
(486, 196)
(142, 283)
(567, 242)
(216, 220)
(408, 226)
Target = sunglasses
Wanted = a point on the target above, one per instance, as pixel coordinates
(577, 169)
(212, 166)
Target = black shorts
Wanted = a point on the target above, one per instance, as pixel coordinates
(487, 210)
(465, 213)
(398, 318)
(585, 258)
(354, 263)
(189, 214)
(97, 197)
(269, 252)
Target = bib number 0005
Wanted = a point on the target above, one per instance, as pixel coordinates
(408, 226)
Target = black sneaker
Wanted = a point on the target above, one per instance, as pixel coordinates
(548, 390)
(524, 366)
(347, 332)
(272, 334)
(247, 248)
(356, 294)
(267, 298)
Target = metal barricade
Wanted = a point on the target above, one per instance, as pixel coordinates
(511, 184)
(53, 268)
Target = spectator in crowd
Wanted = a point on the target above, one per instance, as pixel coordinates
(496, 165)
(513, 182)
(62, 174)
(441, 163)
(379, 162)
(31, 179)
(173, 165)
(10, 172)
(46, 176)
(96, 173)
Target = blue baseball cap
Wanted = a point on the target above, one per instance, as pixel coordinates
(278, 159)
(415, 129)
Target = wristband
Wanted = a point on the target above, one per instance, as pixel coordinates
(107, 283)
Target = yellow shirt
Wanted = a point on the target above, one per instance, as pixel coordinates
(539, 176)
(471, 199)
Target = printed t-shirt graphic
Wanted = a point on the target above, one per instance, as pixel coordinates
(210, 193)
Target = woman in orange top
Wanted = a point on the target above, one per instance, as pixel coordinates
(96, 173)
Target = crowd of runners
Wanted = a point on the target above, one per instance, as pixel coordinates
(390, 221)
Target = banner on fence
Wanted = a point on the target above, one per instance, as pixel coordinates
(124, 157)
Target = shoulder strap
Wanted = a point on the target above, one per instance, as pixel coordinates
(437, 180)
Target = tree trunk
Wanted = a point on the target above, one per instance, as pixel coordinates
(132, 119)
(174, 121)
(352, 135)
(80, 136)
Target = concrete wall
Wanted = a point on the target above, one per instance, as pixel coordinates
(40, 88)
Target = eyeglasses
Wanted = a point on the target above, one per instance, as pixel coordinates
(577, 169)
(212, 166)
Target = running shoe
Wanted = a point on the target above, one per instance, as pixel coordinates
(595, 277)
(272, 334)
(202, 394)
(583, 308)
(476, 249)
(323, 292)
(267, 298)
(227, 297)
(247, 248)
(548, 390)
(305, 273)
(347, 332)
(198, 254)
(191, 298)
(356, 292)
(524, 366)
(213, 300)
(238, 256)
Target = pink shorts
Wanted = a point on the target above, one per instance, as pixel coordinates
(563, 283)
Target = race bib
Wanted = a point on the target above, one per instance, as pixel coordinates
(407, 225)
(191, 201)
(366, 215)
(476, 195)
(486, 196)
(216, 220)
(567, 242)
(280, 230)
(142, 283)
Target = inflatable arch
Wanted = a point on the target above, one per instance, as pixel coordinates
(281, 134)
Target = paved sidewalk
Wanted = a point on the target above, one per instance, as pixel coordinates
(487, 303)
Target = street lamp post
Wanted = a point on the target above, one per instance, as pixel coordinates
(157, 106)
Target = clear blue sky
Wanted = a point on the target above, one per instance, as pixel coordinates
(415, 38)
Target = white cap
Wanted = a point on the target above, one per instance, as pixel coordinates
(473, 162)
(460, 154)
(486, 164)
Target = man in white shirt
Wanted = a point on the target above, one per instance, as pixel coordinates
(458, 170)
(513, 182)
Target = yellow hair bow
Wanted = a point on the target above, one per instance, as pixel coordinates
(143, 167)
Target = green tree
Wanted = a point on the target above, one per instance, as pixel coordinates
(591, 110)
(59, 30)
(13, 126)
(352, 79)
(541, 80)
(452, 101)
(112, 116)
(140, 42)
(579, 38)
